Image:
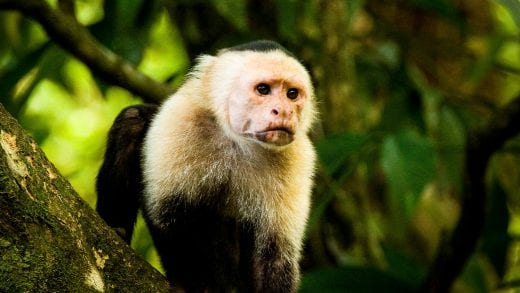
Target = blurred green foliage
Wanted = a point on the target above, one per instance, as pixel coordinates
(399, 84)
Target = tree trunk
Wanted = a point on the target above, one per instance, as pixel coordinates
(50, 239)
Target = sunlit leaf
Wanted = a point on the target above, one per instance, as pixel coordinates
(89, 12)
(513, 6)
(164, 56)
(40, 114)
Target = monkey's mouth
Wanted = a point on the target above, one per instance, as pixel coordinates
(278, 136)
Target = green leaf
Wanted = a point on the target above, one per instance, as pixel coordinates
(125, 27)
(11, 77)
(513, 6)
(403, 110)
(52, 64)
(165, 56)
(287, 16)
(142, 243)
(338, 155)
(486, 62)
(404, 267)
(334, 152)
(234, 11)
(407, 160)
(475, 277)
(451, 142)
(353, 7)
(352, 280)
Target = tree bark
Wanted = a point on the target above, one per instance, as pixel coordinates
(50, 239)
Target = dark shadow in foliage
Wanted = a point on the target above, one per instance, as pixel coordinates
(353, 280)
(496, 238)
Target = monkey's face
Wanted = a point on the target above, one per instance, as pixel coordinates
(261, 97)
(269, 109)
(269, 99)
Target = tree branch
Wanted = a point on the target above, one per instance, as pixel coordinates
(50, 239)
(76, 39)
(480, 146)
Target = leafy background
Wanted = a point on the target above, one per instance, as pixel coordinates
(399, 85)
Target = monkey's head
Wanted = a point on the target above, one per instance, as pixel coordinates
(261, 93)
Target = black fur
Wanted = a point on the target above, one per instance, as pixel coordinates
(199, 248)
(205, 251)
(119, 183)
(261, 46)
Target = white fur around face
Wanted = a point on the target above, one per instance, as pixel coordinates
(191, 149)
(232, 79)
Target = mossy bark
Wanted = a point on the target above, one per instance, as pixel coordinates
(50, 239)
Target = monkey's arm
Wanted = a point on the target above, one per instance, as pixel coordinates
(119, 182)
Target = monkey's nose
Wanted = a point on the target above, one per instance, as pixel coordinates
(281, 112)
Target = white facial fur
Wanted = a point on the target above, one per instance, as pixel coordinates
(272, 119)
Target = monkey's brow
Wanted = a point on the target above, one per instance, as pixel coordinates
(277, 76)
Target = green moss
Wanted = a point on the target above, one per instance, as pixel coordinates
(13, 272)
(4, 243)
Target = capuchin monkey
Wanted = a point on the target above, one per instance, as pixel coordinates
(222, 172)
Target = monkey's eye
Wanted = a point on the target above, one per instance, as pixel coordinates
(292, 93)
(263, 89)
